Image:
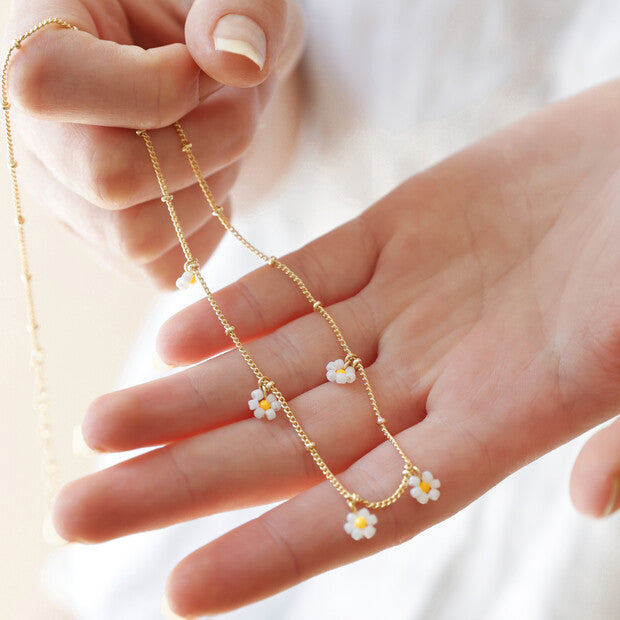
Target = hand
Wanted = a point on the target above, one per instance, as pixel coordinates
(484, 298)
(78, 95)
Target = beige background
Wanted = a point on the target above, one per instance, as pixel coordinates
(88, 315)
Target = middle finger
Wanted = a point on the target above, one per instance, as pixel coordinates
(109, 166)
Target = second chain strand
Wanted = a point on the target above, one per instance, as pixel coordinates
(192, 264)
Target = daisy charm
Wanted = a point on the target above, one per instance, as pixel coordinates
(337, 373)
(425, 488)
(264, 406)
(360, 524)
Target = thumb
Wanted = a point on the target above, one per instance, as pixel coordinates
(595, 479)
(237, 42)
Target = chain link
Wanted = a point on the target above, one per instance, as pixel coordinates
(353, 499)
(41, 397)
(37, 358)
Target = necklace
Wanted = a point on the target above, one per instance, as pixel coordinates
(266, 400)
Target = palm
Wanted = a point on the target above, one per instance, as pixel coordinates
(482, 297)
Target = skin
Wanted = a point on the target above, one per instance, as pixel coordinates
(77, 96)
(483, 296)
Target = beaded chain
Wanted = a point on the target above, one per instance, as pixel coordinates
(266, 400)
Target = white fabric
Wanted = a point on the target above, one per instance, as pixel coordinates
(393, 87)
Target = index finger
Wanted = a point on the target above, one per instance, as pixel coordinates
(68, 75)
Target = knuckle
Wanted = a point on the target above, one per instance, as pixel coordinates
(243, 120)
(132, 240)
(27, 85)
(108, 172)
(170, 88)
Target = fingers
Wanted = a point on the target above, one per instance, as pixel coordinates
(141, 233)
(595, 479)
(165, 270)
(334, 267)
(217, 392)
(236, 465)
(73, 76)
(110, 167)
(305, 536)
(239, 43)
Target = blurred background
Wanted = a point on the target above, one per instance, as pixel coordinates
(88, 315)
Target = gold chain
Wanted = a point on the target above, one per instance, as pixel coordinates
(269, 386)
(41, 398)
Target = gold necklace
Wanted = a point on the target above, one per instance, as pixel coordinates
(266, 400)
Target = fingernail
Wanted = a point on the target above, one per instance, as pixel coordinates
(167, 612)
(50, 535)
(613, 497)
(80, 447)
(238, 34)
(160, 365)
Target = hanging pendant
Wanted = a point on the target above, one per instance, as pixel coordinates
(360, 524)
(264, 405)
(424, 488)
(339, 372)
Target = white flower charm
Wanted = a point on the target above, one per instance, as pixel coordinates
(426, 488)
(264, 406)
(337, 373)
(360, 524)
(186, 280)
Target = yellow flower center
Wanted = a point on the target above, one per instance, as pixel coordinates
(193, 280)
(425, 486)
(360, 522)
(340, 370)
(264, 404)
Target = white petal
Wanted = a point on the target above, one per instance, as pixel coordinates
(252, 404)
(357, 534)
(182, 284)
(350, 376)
(259, 413)
(417, 492)
(435, 483)
(271, 414)
(372, 520)
(351, 517)
(369, 531)
(423, 498)
(331, 375)
(270, 398)
(433, 494)
(276, 406)
(363, 513)
(330, 366)
(341, 378)
(338, 364)
(257, 394)
(414, 481)
(427, 476)
(348, 527)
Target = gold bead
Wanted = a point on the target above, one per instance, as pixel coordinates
(316, 305)
(16, 44)
(6, 105)
(185, 148)
(272, 261)
(310, 445)
(19, 220)
(229, 330)
(380, 420)
(167, 198)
